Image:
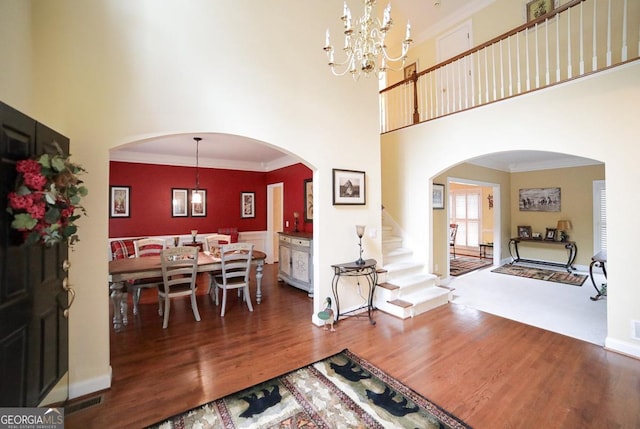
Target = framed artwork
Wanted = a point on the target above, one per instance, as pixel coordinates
(437, 198)
(538, 8)
(199, 209)
(179, 202)
(539, 200)
(120, 201)
(524, 231)
(348, 187)
(551, 234)
(410, 70)
(308, 200)
(247, 205)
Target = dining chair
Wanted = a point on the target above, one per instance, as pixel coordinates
(213, 242)
(179, 271)
(236, 266)
(143, 248)
(453, 231)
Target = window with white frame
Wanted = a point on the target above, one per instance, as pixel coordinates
(465, 211)
(599, 216)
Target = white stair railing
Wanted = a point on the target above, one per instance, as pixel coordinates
(538, 54)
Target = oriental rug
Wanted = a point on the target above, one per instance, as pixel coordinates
(343, 390)
(542, 274)
(461, 265)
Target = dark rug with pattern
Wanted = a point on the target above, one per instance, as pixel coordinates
(463, 265)
(343, 390)
(542, 274)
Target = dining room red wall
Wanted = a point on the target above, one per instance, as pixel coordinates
(293, 178)
(151, 193)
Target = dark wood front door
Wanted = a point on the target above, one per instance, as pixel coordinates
(33, 324)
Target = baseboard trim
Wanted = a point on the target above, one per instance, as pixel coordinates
(92, 385)
(622, 347)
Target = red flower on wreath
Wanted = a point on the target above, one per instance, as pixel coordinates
(46, 197)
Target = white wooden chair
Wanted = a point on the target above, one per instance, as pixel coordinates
(236, 266)
(213, 242)
(179, 271)
(145, 247)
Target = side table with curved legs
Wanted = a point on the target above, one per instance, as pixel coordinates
(352, 269)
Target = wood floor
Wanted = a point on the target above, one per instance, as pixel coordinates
(488, 371)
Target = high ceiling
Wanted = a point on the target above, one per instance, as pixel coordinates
(427, 17)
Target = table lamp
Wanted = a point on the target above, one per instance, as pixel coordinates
(563, 226)
(360, 232)
(194, 233)
(295, 221)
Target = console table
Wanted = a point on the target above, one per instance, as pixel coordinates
(572, 252)
(599, 260)
(351, 269)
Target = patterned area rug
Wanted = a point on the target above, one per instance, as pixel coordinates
(462, 265)
(542, 274)
(340, 391)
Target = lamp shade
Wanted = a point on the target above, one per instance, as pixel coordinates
(564, 225)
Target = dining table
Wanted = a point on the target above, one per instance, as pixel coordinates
(122, 271)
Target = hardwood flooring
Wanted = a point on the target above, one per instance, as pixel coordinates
(489, 371)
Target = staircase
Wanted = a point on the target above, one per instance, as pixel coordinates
(405, 288)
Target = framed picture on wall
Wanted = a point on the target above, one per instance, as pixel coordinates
(179, 202)
(410, 70)
(120, 201)
(199, 205)
(247, 205)
(539, 200)
(538, 8)
(308, 200)
(438, 196)
(348, 187)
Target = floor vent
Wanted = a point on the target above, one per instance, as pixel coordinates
(87, 403)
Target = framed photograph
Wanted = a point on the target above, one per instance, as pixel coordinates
(410, 70)
(539, 200)
(538, 8)
(551, 234)
(349, 187)
(308, 200)
(179, 202)
(120, 201)
(199, 209)
(247, 205)
(524, 231)
(437, 199)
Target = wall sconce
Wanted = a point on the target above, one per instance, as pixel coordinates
(563, 226)
(360, 233)
(296, 215)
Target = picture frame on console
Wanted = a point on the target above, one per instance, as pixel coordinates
(524, 231)
(551, 233)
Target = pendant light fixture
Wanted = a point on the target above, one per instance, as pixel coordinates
(196, 198)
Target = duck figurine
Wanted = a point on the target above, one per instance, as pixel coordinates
(327, 315)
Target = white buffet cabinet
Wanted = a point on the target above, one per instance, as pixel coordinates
(296, 260)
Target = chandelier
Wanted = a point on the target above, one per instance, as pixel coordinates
(195, 195)
(364, 43)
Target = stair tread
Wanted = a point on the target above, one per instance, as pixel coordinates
(387, 285)
(398, 251)
(425, 294)
(402, 265)
(411, 280)
(401, 303)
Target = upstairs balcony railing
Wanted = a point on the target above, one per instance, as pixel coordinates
(576, 39)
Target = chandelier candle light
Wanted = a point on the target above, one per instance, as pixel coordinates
(360, 232)
(364, 43)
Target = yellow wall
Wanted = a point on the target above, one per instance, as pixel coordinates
(576, 193)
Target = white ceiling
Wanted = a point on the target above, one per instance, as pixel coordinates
(239, 153)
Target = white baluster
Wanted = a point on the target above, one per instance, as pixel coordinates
(609, 34)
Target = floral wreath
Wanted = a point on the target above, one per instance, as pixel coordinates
(46, 196)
